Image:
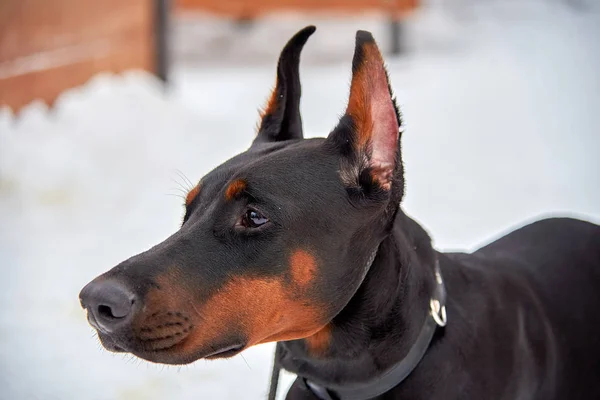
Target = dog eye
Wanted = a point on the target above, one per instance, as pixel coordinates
(253, 219)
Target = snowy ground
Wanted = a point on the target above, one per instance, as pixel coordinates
(502, 114)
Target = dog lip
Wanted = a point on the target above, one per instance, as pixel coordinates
(96, 325)
(110, 344)
(114, 348)
(92, 321)
(226, 352)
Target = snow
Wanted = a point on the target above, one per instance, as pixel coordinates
(501, 108)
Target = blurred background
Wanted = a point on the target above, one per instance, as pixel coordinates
(110, 110)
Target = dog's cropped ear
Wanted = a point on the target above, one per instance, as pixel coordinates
(368, 134)
(281, 117)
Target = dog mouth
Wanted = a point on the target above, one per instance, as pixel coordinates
(160, 332)
(169, 349)
(110, 344)
(226, 352)
(136, 345)
(162, 337)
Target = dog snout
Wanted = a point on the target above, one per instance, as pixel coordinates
(110, 304)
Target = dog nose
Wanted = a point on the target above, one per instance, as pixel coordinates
(109, 303)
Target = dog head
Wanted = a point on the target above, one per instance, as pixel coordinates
(275, 241)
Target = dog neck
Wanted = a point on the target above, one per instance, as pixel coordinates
(381, 322)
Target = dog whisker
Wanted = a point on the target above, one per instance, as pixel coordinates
(244, 358)
(181, 190)
(180, 187)
(175, 195)
(182, 183)
(185, 178)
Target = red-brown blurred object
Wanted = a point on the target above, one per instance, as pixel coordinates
(255, 8)
(49, 46)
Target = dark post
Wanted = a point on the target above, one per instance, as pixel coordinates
(397, 43)
(161, 43)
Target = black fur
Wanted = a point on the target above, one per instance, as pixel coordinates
(523, 320)
(286, 123)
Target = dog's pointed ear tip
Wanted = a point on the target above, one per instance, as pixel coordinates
(364, 37)
(306, 32)
(297, 42)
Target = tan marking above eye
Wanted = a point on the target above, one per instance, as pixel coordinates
(303, 267)
(192, 194)
(234, 189)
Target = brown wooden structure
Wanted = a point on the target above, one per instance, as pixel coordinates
(47, 46)
(248, 9)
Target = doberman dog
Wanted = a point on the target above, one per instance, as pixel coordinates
(304, 242)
